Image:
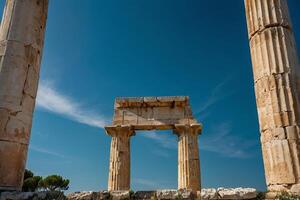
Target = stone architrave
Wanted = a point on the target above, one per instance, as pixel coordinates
(154, 113)
(277, 87)
(21, 45)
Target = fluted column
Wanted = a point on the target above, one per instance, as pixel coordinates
(119, 167)
(188, 157)
(21, 44)
(276, 77)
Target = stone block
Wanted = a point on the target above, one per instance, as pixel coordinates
(12, 165)
(278, 162)
(166, 194)
(209, 194)
(120, 195)
(144, 195)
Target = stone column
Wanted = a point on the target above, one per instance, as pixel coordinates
(188, 157)
(277, 87)
(21, 43)
(119, 165)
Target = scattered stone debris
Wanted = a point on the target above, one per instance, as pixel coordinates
(205, 194)
(32, 196)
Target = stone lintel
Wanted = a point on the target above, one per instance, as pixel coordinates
(119, 130)
(191, 128)
(132, 102)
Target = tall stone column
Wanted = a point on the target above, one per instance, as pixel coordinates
(277, 87)
(21, 43)
(188, 157)
(119, 167)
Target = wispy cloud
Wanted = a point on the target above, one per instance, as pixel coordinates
(163, 139)
(216, 95)
(50, 99)
(45, 151)
(221, 140)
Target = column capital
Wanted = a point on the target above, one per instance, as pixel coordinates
(120, 130)
(195, 128)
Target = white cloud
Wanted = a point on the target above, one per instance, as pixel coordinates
(52, 100)
(221, 141)
(216, 95)
(45, 151)
(163, 139)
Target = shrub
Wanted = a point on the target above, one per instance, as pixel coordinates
(287, 196)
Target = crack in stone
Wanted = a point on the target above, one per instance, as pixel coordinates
(268, 27)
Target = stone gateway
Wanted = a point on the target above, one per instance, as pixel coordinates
(277, 87)
(154, 113)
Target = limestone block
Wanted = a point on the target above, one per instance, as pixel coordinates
(147, 113)
(13, 164)
(145, 195)
(21, 43)
(32, 195)
(30, 17)
(166, 194)
(186, 194)
(225, 193)
(120, 195)
(262, 14)
(269, 50)
(277, 76)
(296, 189)
(80, 196)
(292, 132)
(209, 194)
(278, 162)
(247, 193)
(237, 193)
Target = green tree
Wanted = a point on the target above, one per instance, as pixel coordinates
(54, 183)
(28, 174)
(30, 182)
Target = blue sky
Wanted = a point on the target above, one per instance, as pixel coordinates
(96, 50)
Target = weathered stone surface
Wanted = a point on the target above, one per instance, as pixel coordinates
(120, 195)
(32, 196)
(296, 189)
(276, 72)
(103, 195)
(80, 196)
(144, 195)
(188, 157)
(207, 194)
(21, 44)
(119, 167)
(167, 194)
(236, 193)
(148, 113)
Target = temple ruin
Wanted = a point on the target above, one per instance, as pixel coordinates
(276, 78)
(154, 113)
